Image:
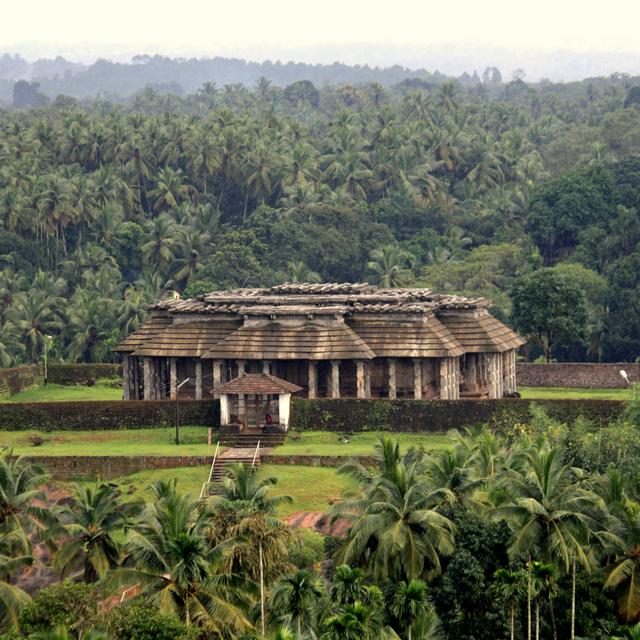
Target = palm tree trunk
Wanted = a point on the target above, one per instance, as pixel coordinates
(573, 601)
(246, 204)
(537, 618)
(261, 588)
(204, 180)
(553, 618)
(529, 599)
(513, 621)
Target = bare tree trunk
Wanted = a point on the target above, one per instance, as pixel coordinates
(261, 588)
(553, 618)
(513, 621)
(573, 601)
(529, 599)
(246, 204)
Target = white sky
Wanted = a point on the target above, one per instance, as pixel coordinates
(313, 31)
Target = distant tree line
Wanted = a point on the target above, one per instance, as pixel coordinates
(105, 207)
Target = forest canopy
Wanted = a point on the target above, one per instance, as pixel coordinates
(467, 187)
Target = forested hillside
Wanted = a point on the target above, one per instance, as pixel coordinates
(104, 208)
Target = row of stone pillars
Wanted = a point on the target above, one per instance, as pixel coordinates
(494, 371)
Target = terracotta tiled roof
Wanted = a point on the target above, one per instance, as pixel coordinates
(256, 384)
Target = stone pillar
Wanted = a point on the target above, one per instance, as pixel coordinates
(417, 379)
(135, 378)
(449, 379)
(173, 377)
(495, 377)
(241, 399)
(126, 381)
(313, 379)
(224, 409)
(455, 382)
(471, 373)
(284, 403)
(147, 378)
(217, 373)
(198, 379)
(392, 378)
(367, 379)
(360, 379)
(335, 379)
(266, 367)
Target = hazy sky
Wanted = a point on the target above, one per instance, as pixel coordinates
(318, 30)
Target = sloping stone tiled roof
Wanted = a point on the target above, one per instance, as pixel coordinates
(321, 322)
(285, 341)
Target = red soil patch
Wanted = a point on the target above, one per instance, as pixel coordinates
(319, 521)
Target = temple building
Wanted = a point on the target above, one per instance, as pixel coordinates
(330, 340)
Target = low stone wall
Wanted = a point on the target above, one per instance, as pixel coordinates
(18, 379)
(105, 414)
(81, 373)
(110, 467)
(436, 416)
(315, 461)
(583, 375)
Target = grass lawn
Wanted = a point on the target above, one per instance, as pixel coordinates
(326, 443)
(536, 393)
(63, 393)
(311, 487)
(124, 442)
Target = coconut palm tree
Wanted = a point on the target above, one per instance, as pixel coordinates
(91, 520)
(168, 555)
(295, 601)
(512, 587)
(244, 487)
(390, 266)
(33, 316)
(401, 532)
(552, 511)
(349, 585)
(409, 603)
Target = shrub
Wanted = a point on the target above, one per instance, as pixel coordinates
(140, 621)
(73, 605)
(308, 551)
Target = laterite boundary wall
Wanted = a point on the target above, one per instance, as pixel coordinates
(81, 373)
(17, 379)
(105, 415)
(583, 375)
(437, 416)
(110, 467)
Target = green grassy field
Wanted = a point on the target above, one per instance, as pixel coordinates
(537, 393)
(312, 488)
(125, 442)
(160, 442)
(60, 393)
(326, 443)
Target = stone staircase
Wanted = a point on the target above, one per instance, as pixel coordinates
(233, 437)
(5, 392)
(222, 463)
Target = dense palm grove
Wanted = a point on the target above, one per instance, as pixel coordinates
(106, 207)
(518, 530)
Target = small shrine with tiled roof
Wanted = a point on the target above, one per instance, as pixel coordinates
(248, 401)
(329, 340)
